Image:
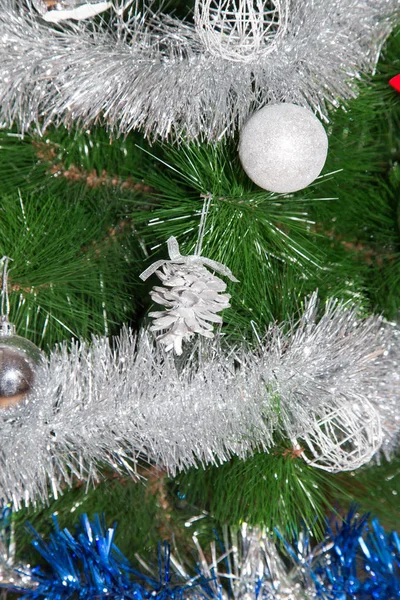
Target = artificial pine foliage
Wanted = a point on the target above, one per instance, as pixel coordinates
(70, 293)
(83, 213)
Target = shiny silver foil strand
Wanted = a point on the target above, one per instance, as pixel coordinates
(254, 566)
(111, 403)
(165, 76)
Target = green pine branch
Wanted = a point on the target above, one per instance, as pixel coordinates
(68, 275)
(375, 488)
(269, 489)
(341, 235)
(269, 242)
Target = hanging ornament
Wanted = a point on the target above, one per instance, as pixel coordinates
(19, 358)
(395, 82)
(55, 11)
(240, 31)
(383, 391)
(343, 439)
(283, 148)
(193, 296)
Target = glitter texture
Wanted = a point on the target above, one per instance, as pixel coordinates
(169, 77)
(112, 403)
(283, 148)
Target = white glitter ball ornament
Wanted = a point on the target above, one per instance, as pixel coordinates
(283, 148)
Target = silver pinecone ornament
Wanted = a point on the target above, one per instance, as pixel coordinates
(191, 294)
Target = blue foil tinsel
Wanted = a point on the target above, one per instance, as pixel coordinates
(90, 566)
(356, 561)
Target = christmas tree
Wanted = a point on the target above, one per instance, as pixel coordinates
(200, 342)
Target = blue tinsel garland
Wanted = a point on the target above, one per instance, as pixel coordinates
(355, 561)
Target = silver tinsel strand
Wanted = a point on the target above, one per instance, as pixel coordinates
(190, 79)
(104, 403)
(12, 573)
(252, 568)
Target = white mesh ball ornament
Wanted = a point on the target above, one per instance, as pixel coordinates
(240, 30)
(343, 439)
(283, 148)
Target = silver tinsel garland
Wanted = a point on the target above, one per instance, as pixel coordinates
(165, 76)
(104, 403)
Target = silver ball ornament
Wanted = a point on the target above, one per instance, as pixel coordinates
(283, 148)
(19, 361)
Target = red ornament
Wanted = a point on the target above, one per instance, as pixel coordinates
(395, 82)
